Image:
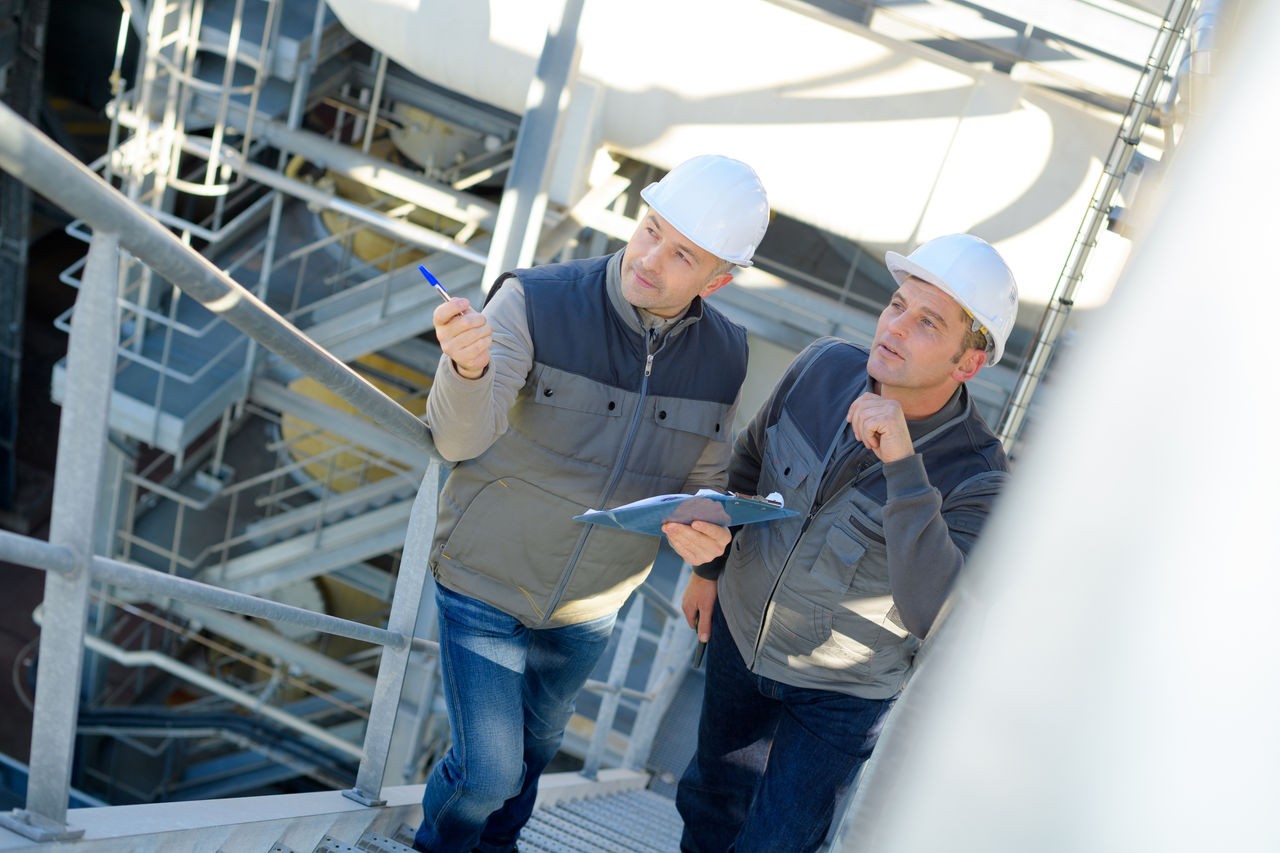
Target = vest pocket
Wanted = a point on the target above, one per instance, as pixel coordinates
(708, 420)
(561, 390)
(518, 534)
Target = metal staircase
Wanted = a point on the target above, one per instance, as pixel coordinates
(215, 486)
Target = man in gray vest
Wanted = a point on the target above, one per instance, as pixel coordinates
(582, 385)
(814, 621)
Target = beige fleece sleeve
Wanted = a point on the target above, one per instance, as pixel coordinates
(466, 416)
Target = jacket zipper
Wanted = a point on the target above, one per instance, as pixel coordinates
(813, 513)
(767, 616)
(865, 530)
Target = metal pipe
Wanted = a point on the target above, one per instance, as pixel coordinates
(295, 654)
(297, 103)
(375, 102)
(622, 655)
(39, 554)
(398, 228)
(16, 548)
(524, 200)
(373, 172)
(387, 689)
(380, 175)
(163, 661)
(1127, 138)
(670, 666)
(1201, 55)
(158, 583)
(33, 158)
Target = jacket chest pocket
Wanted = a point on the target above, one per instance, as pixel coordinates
(573, 417)
(853, 558)
(838, 562)
(703, 420)
(787, 461)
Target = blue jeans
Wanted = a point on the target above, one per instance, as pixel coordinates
(772, 759)
(510, 692)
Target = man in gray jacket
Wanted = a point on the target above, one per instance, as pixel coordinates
(815, 620)
(582, 385)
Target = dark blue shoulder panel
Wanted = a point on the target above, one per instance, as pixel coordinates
(836, 369)
(574, 328)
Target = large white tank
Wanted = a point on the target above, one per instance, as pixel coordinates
(884, 142)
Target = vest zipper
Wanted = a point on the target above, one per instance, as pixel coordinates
(652, 347)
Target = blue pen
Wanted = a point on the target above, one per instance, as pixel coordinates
(434, 282)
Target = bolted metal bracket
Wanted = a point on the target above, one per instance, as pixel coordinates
(362, 798)
(37, 827)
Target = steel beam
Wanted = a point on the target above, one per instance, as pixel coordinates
(524, 200)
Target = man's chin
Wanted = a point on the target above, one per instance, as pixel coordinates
(875, 366)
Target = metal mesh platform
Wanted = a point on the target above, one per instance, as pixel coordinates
(626, 822)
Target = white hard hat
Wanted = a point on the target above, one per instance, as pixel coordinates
(970, 271)
(717, 202)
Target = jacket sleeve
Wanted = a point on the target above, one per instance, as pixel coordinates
(929, 539)
(467, 416)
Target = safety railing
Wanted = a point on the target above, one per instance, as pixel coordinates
(68, 556)
(76, 574)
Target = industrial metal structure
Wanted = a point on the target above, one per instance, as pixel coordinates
(250, 346)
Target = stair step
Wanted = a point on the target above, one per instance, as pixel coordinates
(626, 822)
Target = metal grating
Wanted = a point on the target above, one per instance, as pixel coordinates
(626, 822)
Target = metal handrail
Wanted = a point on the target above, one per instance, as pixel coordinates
(34, 159)
(67, 556)
(38, 554)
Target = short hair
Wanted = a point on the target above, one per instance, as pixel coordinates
(975, 339)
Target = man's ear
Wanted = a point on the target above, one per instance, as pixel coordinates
(969, 365)
(715, 284)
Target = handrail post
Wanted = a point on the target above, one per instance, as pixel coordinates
(91, 358)
(628, 636)
(404, 613)
(671, 663)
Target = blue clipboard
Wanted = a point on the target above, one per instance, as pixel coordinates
(724, 508)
